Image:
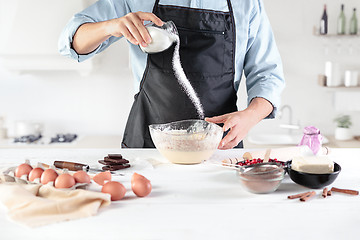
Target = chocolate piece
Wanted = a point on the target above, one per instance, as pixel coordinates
(115, 167)
(115, 156)
(110, 161)
(105, 162)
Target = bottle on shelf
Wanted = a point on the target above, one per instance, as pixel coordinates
(341, 22)
(324, 22)
(353, 23)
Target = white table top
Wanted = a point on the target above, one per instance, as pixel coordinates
(199, 202)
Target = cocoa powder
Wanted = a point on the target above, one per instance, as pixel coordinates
(262, 178)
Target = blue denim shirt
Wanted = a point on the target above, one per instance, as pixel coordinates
(256, 53)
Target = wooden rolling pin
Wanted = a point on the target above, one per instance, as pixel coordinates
(284, 154)
(281, 154)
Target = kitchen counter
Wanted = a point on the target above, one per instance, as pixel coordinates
(333, 143)
(100, 141)
(107, 141)
(200, 201)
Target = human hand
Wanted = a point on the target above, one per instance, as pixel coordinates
(239, 124)
(131, 26)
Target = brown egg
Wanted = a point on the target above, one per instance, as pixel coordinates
(65, 180)
(140, 185)
(81, 177)
(100, 178)
(115, 189)
(35, 173)
(49, 175)
(23, 169)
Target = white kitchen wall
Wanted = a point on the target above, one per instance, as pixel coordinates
(98, 104)
(304, 57)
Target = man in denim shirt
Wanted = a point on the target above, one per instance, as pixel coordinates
(219, 41)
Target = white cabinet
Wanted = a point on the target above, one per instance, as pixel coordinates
(29, 34)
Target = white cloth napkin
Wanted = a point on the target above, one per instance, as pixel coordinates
(36, 205)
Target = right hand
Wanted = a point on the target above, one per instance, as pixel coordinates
(131, 26)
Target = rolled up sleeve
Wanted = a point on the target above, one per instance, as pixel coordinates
(100, 11)
(263, 66)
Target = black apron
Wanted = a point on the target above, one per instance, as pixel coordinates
(207, 52)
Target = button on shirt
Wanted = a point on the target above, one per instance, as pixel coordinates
(256, 54)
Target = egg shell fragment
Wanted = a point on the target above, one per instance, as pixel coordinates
(81, 177)
(115, 189)
(100, 178)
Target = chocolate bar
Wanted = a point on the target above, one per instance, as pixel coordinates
(115, 156)
(110, 161)
(115, 167)
(118, 162)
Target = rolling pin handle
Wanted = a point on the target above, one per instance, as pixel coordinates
(70, 165)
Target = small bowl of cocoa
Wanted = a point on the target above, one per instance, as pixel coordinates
(262, 177)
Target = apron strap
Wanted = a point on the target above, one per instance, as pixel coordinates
(229, 6)
(155, 5)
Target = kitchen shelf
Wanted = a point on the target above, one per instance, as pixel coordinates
(316, 32)
(322, 80)
(342, 88)
(337, 36)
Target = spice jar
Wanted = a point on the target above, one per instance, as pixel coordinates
(312, 138)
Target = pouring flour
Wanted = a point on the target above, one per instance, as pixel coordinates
(162, 38)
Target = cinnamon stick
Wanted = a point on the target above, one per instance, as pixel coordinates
(329, 193)
(346, 191)
(325, 193)
(307, 197)
(298, 195)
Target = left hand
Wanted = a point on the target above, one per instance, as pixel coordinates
(239, 124)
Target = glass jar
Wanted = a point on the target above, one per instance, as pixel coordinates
(162, 37)
(312, 138)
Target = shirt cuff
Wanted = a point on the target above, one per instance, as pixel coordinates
(66, 38)
(83, 57)
(273, 97)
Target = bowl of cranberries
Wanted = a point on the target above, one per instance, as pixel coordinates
(259, 160)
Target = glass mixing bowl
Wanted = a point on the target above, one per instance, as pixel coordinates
(261, 177)
(187, 141)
